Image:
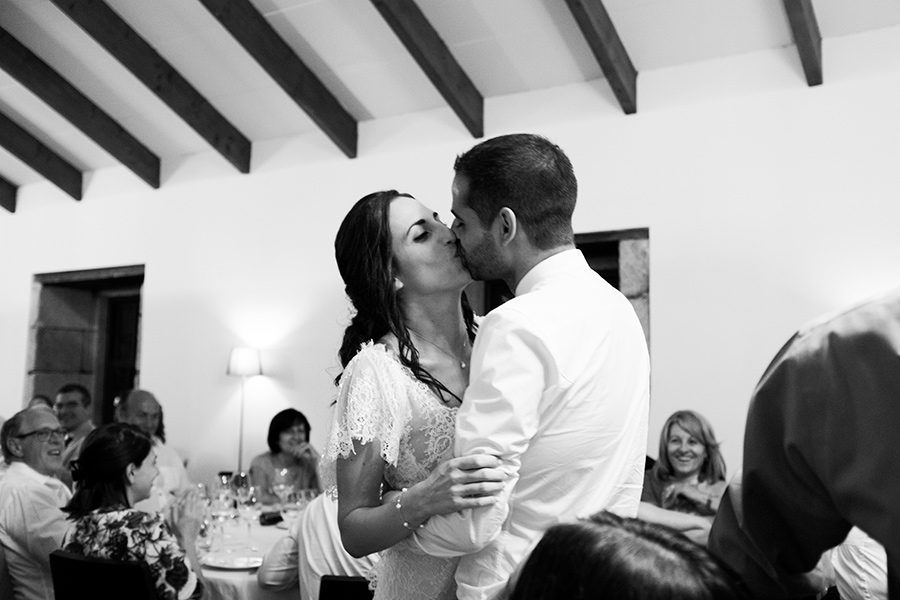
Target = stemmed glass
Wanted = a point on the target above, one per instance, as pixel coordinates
(221, 506)
(249, 510)
(281, 485)
(240, 483)
(204, 537)
(290, 509)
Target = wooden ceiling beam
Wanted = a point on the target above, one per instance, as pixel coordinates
(127, 46)
(430, 51)
(262, 42)
(805, 29)
(64, 98)
(8, 192)
(604, 41)
(39, 157)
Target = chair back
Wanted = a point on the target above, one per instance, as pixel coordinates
(76, 577)
(343, 587)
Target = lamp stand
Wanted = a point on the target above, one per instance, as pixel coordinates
(241, 436)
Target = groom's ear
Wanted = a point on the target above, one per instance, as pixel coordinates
(506, 221)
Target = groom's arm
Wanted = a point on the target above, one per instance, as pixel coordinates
(499, 416)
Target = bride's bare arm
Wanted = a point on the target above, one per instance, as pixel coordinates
(368, 526)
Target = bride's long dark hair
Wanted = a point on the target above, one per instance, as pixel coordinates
(365, 260)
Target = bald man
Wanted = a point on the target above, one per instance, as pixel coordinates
(141, 409)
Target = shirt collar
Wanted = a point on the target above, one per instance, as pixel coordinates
(566, 260)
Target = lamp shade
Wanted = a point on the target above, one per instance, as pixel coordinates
(244, 362)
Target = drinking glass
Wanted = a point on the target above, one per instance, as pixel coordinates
(249, 510)
(290, 509)
(205, 535)
(240, 483)
(305, 496)
(281, 484)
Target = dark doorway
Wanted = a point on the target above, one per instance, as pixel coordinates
(120, 372)
(87, 330)
(621, 257)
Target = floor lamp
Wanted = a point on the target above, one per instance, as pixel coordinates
(243, 362)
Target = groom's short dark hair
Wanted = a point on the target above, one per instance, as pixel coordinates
(527, 173)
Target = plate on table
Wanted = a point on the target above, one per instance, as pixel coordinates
(225, 560)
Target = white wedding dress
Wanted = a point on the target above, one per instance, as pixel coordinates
(379, 399)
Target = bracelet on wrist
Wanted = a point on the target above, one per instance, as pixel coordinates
(399, 505)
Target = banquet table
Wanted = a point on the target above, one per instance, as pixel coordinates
(231, 551)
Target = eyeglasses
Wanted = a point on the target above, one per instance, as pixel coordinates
(44, 434)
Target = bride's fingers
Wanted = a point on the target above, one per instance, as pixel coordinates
(474, 461)
(478, 489)
(476, 475)
(476, 501)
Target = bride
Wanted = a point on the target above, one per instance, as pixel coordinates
(405, 356)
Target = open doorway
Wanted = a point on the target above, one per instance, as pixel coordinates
(86, 329)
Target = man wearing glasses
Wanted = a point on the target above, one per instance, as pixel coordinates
(31, 522)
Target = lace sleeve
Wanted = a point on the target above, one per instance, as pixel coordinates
(371, 407)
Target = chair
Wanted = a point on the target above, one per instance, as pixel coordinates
(76, 577)
(343, 587)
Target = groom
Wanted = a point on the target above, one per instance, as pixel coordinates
(559, 381)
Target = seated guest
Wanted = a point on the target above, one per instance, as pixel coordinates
(141, 409)
(31, 522)
(116, 470)
(312, 548)
(608, 556)
(683, 489)
(819, 452)
(73, 409)
(289, 448)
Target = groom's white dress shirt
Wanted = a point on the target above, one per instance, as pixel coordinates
(559, 390)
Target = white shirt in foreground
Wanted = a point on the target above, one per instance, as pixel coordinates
(312, 548)
(31, 527)
(559, 390)
(860, 568)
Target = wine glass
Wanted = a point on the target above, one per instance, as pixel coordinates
(290, 509)
(240, 483)
(281, 484)
(204, 536)
(305, 496)
(221, 509)
(249, 509)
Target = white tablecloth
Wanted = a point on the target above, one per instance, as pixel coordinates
(227, 584)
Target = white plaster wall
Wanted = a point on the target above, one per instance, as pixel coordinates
(768, 203)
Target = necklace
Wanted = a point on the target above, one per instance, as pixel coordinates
(462, 363)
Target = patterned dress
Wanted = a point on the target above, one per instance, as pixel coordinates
(380, 400)
(127, 534)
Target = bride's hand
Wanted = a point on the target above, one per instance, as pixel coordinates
(456, 484)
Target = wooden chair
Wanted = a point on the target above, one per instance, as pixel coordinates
(76, 577)
(343, 587)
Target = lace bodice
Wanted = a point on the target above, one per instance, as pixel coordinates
(380, 401)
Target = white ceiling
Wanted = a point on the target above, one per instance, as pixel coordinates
(505, 47)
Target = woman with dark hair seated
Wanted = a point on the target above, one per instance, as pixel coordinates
(608, 556)
(115, 470)
(289, 453)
